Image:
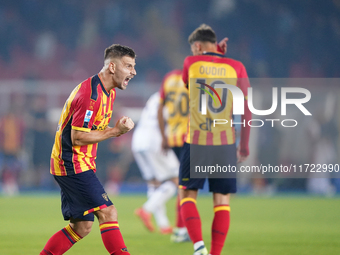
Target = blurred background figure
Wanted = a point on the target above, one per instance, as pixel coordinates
(12, 131)
(159, 169)
(173, 112)
(324, 151)
(41, 136)
(52, 41)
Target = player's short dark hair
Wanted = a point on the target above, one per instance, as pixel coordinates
(203, 33)
(118, 51)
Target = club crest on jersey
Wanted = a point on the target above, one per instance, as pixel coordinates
(124, 250)
(104, 195)
(92, 104)
(88, 116)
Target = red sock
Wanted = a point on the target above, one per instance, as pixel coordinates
(179, 221)
(191, 219)
(112, 238)
(219, 229)
(61, 241)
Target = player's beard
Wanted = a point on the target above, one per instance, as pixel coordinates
(121, 85)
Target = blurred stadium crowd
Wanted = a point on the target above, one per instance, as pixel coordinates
(48, 47)
(65, 39)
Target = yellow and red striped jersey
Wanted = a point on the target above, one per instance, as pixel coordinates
(89, 107)
(174, 97)
(212, 68)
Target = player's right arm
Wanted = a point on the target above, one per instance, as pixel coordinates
(222, 45)
(80, 138)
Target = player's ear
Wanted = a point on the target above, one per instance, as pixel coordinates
(198, 47)
(195, 48)
(112, 67)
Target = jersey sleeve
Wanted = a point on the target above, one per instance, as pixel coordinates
(243, 84)
(219, 49)
(185, 73)
(85, 110)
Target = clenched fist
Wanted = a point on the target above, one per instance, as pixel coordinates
(124, 124)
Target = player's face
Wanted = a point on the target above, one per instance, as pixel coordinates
(124, 71)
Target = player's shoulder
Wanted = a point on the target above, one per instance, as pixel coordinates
(213, 57)
(192, 59)
(89, 89)
(85, 86)
(171, 78)
(234, 63)
(221, 59)
(176, 72)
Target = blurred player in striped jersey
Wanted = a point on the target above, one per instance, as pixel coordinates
(211, 145)
(83, 124)
(174, 102)
(158, 169)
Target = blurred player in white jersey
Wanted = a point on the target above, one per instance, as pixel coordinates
(158, 169)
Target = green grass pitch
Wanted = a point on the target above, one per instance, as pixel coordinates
(259, 226)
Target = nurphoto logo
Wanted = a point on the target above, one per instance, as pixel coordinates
(238, 103)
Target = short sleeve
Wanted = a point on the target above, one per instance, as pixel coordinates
(85, 110)
(185, 72)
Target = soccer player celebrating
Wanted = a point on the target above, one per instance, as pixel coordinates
(207, 64)
(82, 125)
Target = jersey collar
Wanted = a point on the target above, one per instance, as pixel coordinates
(101, 84)
(213, 54)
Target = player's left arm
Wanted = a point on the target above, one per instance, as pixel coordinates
(243, 84)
